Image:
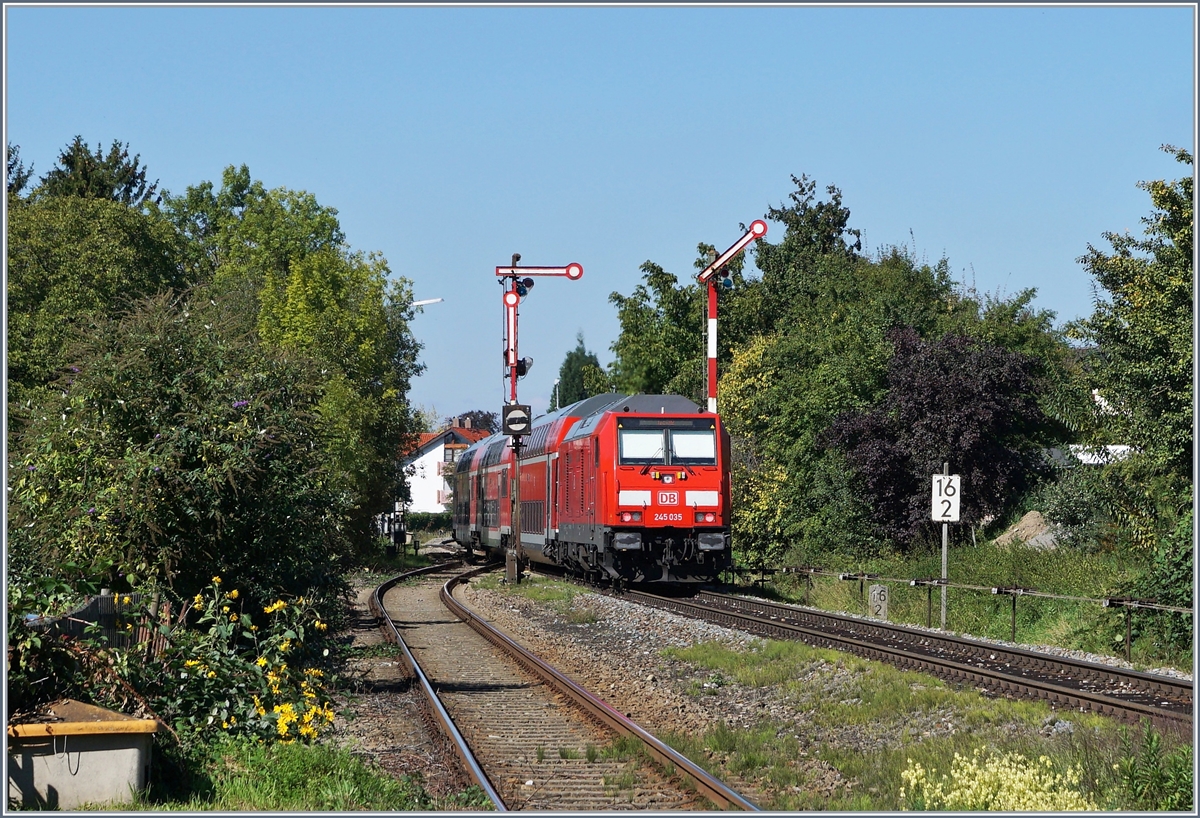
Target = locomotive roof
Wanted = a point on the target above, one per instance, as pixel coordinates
(591, 410)
(646, 404)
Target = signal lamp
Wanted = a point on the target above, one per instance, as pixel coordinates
(705, 517)
(727, 283)
(523, 366)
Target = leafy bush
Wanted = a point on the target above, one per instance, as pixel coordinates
(177, 448)
(1153, 778)
(236, 677)
(41, 667)
(429, 521)
(987, 781)
(1077, 503)
(1168, 579)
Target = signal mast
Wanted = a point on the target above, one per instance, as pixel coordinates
(516, 419)
(710, 275)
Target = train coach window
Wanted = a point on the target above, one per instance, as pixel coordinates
(693, 448)
(641, 446)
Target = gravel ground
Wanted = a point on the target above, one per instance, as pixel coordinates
(612, 647)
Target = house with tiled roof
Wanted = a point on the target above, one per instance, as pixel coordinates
(430, 467)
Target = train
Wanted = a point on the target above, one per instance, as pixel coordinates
(615, 488)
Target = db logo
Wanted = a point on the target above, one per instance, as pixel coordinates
(668, 498)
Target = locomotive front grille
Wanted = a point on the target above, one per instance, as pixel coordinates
(711, 541)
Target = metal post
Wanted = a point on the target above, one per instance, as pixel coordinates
(945, 549)
(712, 345)
(516, 501)
(929, 608)
(1128, 630)
(709, 275)
(1014, 615)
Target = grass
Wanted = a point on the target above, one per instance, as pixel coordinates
(1073, 624)
(555, 594)
(806, 765)
(244, 777)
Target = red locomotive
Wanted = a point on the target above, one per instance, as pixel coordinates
(624, 488)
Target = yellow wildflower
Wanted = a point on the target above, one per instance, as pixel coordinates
(233, 594)
(125, 601)
(261, 661)
(233, 617)
(216, 580)
(224, 609)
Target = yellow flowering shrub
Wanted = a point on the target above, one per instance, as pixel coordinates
(232, 677)
(986, 781)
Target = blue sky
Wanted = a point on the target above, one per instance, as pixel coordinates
(1003, 138)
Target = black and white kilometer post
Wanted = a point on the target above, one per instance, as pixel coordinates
(946, 496)
(516, 418)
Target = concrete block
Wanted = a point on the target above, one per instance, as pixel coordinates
(78, 754)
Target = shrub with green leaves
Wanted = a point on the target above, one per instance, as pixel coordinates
(176, 447)
(232, 675)
(1152, 777)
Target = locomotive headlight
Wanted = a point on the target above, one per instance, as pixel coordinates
(626, 516)
(668, 479)
(705, 517)
(637, 516)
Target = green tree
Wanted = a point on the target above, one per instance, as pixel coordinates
(69, 260)
(1143, 332)
(17, 174)
(479, 419)
(113, 175)
(285, 253)
(177, 447)
(572, 385)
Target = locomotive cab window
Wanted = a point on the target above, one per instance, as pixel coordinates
(693, 447)
(641, 446)
(667, 442)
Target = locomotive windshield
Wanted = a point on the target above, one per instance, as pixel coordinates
(667, 441)
(693, 448)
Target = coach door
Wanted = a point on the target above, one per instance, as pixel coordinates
(551, 496)
(594, 455)
(480, 482)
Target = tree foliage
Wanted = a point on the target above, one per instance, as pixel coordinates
(17, 175)
(957, 400)
(1143, 331)
(479, 418)
(176, 448)
(572, 384)
(70, 259)
(285, 252)
(113, 176)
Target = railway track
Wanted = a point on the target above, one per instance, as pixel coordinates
(1066, 683)
(529, 736)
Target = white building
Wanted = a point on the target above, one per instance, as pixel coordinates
(430, 467)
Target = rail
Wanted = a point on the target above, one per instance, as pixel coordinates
(712, 788)
(474, 770)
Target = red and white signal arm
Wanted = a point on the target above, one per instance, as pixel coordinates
(947, 493)
(573, 271)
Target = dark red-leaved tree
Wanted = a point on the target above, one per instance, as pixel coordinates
(956, 399)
